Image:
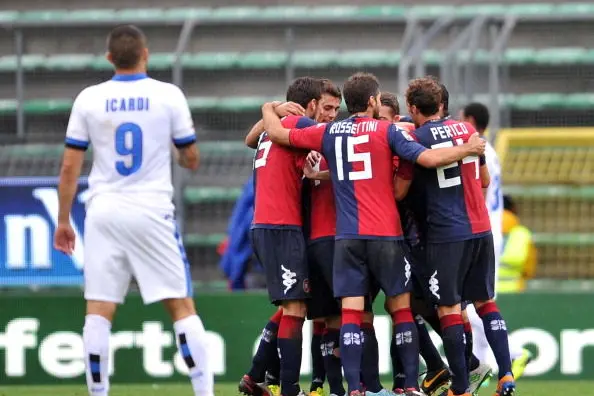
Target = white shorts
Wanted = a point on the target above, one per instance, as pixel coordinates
(124, 240)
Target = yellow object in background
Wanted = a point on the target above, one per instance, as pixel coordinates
(518, 260)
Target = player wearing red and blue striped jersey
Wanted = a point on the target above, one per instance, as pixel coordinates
(278, 243)
(458, 229)
(359, 151)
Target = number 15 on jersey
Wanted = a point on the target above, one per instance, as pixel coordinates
(365, 157)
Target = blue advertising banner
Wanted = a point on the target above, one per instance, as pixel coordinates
(29, 210)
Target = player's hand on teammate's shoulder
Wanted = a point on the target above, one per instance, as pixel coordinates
(289, 108)
(64, 238)
(477, 144)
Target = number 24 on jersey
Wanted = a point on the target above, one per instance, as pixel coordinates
(445, 182)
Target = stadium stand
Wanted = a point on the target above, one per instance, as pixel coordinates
(545, 80)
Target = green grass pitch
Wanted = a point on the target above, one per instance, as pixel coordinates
(525, 388)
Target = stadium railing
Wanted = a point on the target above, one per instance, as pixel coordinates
(550, 173)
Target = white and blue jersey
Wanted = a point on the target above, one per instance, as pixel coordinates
(494, 199)
(131, 122)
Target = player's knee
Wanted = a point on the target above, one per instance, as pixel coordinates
(102, 308)
(479, 304)
(368, 317)
(465, 316)
(449, 310)
(333, 322)
(294, 308)
(356, 303)
(395, 303)
(179, 308)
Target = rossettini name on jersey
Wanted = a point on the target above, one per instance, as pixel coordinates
(278, 173)
(456, 207)
(361, 167)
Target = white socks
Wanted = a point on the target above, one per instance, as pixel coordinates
(96, 348)
(193, 348)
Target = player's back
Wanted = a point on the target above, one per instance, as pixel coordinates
(456, 207)
(361, 165)
(131, 121)
(278, 173)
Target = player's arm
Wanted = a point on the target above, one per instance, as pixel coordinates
(282, 110)
(312, 174)
(405, 146)
(403, 179)
(309, 169)
(484, 173)
(77, 142)
(306, 134)
(251, 140)
(188, 156)
(183, 134)
(72, 163)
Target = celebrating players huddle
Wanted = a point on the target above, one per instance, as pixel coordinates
(344, 209)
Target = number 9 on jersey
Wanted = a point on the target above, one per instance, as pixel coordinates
(128, 144)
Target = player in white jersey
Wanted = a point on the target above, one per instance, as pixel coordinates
(130, 231)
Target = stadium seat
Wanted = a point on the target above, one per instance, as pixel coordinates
(531, 9)
(315, 59)
(384, 11)
(8, 16)
(211, 61)
(574, 9)
(195, 195)
(284, 14)
(192, 240)
(527, 102)
(301, 59)
(263, 60)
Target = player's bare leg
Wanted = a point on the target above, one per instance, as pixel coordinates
(452, 334)
(370, 359)
(406, 339)
(290, 339)
(96, 332)
(192, 344)
(496, 332)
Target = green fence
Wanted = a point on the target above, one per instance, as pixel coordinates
(40, 336)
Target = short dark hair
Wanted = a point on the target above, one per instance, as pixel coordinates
(479, 112)
(329, 88)
(126, 43)
(445, 100)
(390, 100)
(303, 90)
(358, 89)
(424, 93)
(509, 204)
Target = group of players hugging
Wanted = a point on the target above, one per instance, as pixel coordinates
(375, 202)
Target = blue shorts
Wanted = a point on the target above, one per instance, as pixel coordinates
(282, 254)
(358, 263)
(320, 257)
(461, 271)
